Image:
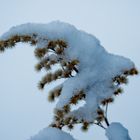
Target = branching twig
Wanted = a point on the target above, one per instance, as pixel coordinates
(99, 124)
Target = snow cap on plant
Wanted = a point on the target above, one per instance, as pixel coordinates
(90, 73)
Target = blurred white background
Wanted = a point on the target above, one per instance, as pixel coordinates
(24, 109)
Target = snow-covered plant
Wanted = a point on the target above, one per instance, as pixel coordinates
(90, 73)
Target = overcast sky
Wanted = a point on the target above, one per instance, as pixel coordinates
(24, 109)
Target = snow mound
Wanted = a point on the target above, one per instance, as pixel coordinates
(117, 132)
(52, 134)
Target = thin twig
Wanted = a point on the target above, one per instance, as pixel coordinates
(106, 110)
(99, 124)
(106, 121)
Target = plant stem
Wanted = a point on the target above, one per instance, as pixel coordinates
(106, 121)
(106, 110)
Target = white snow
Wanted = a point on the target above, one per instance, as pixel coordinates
(117, 132)
(96, 69)
(52, 134)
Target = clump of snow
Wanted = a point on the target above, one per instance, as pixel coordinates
(96, 69)
(117, 132)
(52, 134)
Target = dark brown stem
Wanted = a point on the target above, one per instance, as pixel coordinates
(106, 121)
(99, 124)
(76, 69)
(106, 110)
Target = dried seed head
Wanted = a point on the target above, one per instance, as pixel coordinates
(26, 38)
(53, 125)
(120, 79)
(74, 100)
(133, 71)
(79, 96)
(47, 66)
(51, 97)
(118, 91)
(59, 72)
(2, 49)
(38, 67)
(51, 45)
(16, 38)
(66, 108)
(59, 50)
(100, 118)
(47, 78)
(54, 93)
(61, 43)
(107, 101)
(63, 63)
(126, 72)
(54, 77)
(52, 62)
(123, 79)
(66, 73)
(70, 126)
(85, 126)
(57, 92)
(74, 62)
(40, 52)
(67, 120)
(33, 42)
(41, 85)
(59, 113)
(100, 112)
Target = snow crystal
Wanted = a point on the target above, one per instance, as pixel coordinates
(117, 132)
(96, 69)
(52, 134)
